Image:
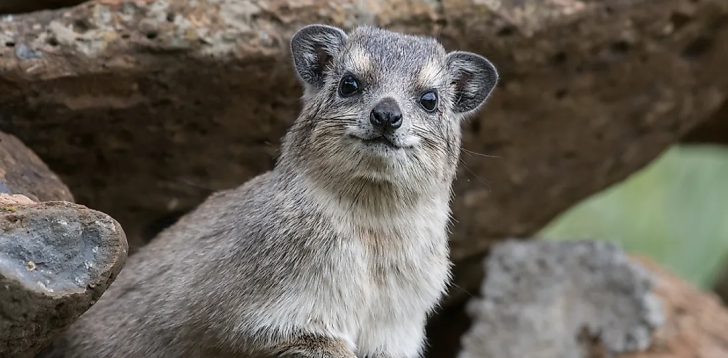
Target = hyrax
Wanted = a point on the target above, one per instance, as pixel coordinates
(341, 250)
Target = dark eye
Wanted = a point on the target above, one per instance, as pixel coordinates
(349, 85)
(429, 101)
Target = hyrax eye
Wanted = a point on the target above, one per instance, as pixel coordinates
(429, 101)
(348, 86)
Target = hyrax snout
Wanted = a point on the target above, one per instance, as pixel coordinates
(386, 116)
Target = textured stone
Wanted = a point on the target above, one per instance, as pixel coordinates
(524, 304)
(546, 299)
(13, 199)
(696, 322)
(161, 102)
(56, 259)
(22, 172)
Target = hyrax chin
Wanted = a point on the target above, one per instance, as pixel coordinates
(341, 250)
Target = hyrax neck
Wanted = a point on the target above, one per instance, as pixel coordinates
(365, 204)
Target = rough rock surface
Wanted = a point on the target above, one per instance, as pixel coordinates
(15, 199)
(695, 322)
(56, 259)
(523, 304)
(22, 172)
(20, 6)
(548, 299)
(161, 102)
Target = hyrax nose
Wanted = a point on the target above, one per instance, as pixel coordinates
(386, 115)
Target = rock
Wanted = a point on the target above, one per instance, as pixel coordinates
(12, 199)
(20, 6)
(22, 172)
(162, 102)
(541, 299)
(549, 299)
(56, 260)
(696, 322)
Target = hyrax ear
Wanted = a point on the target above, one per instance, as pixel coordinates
(313, 48)
(474, 78)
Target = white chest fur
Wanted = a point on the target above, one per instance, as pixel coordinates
(379, 279)
(405, 278)
(400, 267)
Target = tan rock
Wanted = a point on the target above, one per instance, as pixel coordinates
(8, 199)
(696, 322)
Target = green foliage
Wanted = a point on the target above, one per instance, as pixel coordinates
(674, 211)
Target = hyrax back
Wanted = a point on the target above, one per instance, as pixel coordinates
(341, 250)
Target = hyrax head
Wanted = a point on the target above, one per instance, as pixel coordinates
(381, 105)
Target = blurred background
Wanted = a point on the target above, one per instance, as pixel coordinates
(674, 211)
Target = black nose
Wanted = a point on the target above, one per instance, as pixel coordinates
(386, 114)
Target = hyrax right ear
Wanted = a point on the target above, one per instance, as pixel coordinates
(313, 48)
(474, 78)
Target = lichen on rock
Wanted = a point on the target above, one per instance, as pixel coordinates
(551, 299)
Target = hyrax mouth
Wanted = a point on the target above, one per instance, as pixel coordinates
(378, 141)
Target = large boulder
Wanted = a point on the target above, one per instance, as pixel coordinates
(144, 108)
(56, 260)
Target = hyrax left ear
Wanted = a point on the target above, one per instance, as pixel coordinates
(313, 48)
(473, 77)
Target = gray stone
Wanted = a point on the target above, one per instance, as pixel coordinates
(544, 299)
(56, 260)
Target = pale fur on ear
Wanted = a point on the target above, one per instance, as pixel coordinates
(473, 78)
(313, 47)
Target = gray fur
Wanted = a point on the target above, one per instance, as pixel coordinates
(340, 251)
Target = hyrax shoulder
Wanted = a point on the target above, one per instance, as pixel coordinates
(341, 250)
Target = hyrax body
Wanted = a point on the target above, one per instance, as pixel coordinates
(341, 250)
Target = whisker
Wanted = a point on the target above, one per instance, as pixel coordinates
(462, 289)
(480, 154)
